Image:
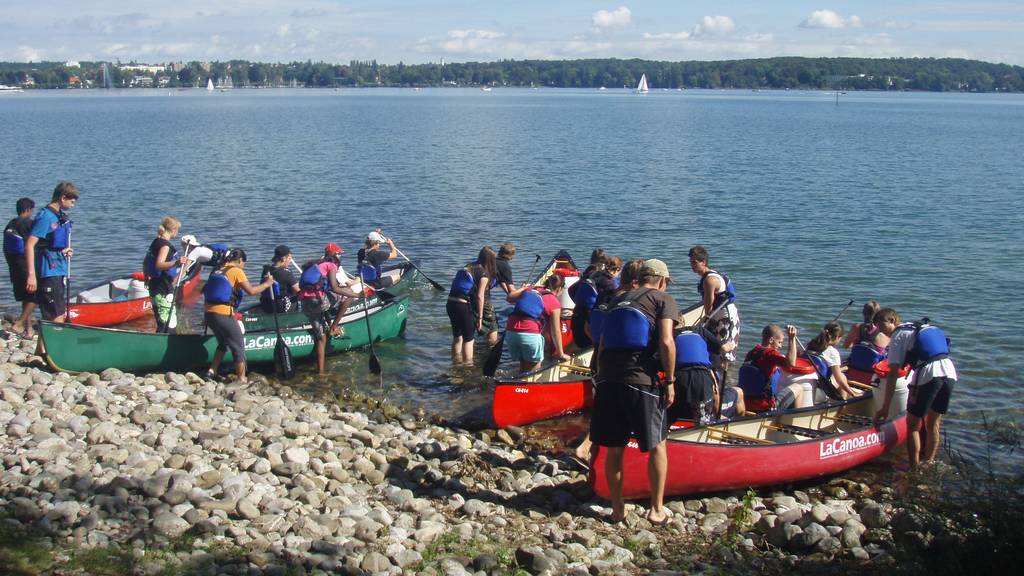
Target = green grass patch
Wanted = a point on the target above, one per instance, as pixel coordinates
(102, 561)
(23, 553)
(449, 544)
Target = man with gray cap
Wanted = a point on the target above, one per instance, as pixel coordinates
(636, 371)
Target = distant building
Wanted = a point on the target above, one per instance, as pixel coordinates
(142, 82)
(72, 64)
(148, 68)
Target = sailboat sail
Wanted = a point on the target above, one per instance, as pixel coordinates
(641, 88)
(209, 84)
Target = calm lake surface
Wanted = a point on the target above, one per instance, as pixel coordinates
(911, 199)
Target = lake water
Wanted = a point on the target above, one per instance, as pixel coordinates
(910, 199)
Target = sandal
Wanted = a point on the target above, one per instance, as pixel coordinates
(663, 521)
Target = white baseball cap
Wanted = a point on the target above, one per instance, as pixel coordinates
(376, 237)
(189, 239)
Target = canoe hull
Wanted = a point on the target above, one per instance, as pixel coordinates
(90, 349)
(521, 403)
(119, 312)
(696, 467)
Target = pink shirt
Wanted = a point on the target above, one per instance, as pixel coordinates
(327, 269)
(520, 323)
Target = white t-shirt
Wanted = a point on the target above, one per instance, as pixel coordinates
(831, 356)
(902, 341)
(200, 254)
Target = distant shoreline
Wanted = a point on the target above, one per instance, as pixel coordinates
(794, 73)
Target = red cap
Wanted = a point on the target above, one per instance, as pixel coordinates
(333, 248)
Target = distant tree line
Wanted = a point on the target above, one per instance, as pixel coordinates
(931, 74)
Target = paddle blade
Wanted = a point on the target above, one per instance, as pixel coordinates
(283, 360)
(494, 357)
(374, 363)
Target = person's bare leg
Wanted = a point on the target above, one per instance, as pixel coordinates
(321, 352)
(913, 440)
(240, 371)
(457, 350)
(613, 472)
(583, 450)
(657, 471)
(23, 324)
(467, 351)
(931, 443)
(218, 356)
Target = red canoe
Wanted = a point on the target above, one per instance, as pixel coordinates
(550, 391)
(763, 450)
(122, 300)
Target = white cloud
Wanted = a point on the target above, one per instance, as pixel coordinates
(282, 31)
(666, 36)
(714, 25)
(28, 54)
(830, 19)
(617, 18)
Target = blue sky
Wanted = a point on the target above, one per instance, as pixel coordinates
(461, 30)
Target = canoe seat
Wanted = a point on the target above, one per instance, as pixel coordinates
(797, 430)
(728, 437)
(851, 419)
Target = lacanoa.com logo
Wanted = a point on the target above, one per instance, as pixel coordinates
(842, 446)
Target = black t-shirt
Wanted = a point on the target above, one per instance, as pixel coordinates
(504, 273)
(22, 227)
(633, 367)
(284, 277)
(376, 257)
(728, 402)
(164, 282)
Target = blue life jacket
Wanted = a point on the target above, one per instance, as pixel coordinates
(218, 290)
(149, 265)
(312, 278)
(585, 295)
(596, 319)
(531, 304)
(824, 373)
(13, 243)
(864, 356)
(60, 237)
(463, 283)
(930, 344)
(692, 350)
(367, 272)
(626, 328)
(729, 293)
(753, 382)
(220, 250)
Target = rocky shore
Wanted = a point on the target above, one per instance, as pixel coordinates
(172, 473)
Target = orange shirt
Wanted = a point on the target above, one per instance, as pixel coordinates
(236, 276)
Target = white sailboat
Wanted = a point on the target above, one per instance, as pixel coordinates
(641, 88)
(209, 84)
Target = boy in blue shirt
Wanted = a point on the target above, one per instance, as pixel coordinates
(47, 251)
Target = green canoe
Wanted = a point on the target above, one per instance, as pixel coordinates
(400, 276)
(74, 348)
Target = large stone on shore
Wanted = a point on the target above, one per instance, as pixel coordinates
(806, 539)
(375, 563)
(850, 537)
(25, 509)
(787, 502)
(873, 515)
(170, 525)
(533, 560)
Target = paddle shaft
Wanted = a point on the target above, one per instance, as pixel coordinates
(67, 286)
(285, 372)
(172, 321)
(428, 279)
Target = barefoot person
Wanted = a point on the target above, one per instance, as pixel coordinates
(536, 310)
(223, 292)
(47, 255)
(631, 399)
(465, 305)
(926, 348)
(15, 235)
(161, 266)
(319, 292)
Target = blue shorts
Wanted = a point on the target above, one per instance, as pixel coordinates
(525, 346)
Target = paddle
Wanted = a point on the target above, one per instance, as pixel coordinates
(172, 322)
(282, 353)
(67, 287)
(427, 278)
(375, 367)
(494, 357)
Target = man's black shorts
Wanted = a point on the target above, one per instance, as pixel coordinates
(50, 297)
(19, 276)
(934, 395)
(624, 410)
(695, 396)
